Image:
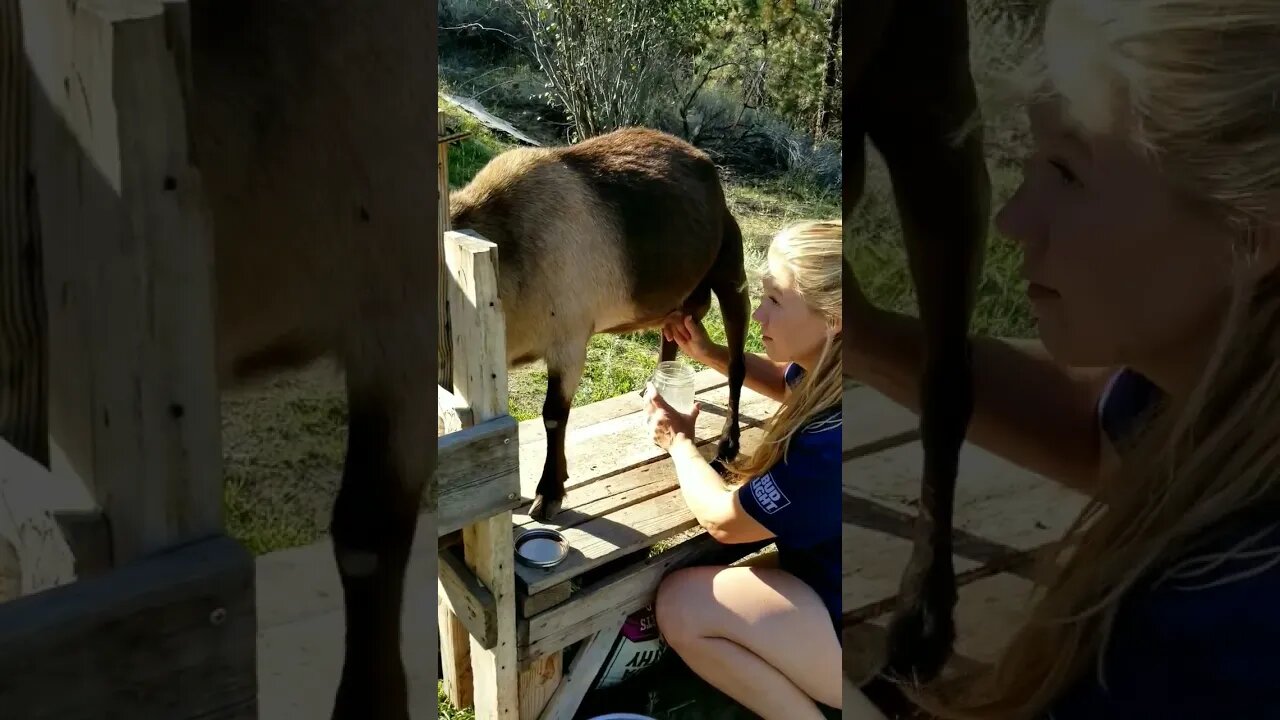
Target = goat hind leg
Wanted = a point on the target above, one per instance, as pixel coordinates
(373, 523)
(942, 191)
(565, 363)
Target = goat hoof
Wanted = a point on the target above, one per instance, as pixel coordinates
(727, 449)
(920, 641)
(543, 508)
(354, 702)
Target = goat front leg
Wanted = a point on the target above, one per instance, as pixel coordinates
(942, 192)
(374, 518)
(565, 363)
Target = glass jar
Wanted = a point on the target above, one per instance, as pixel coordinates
(673, 381)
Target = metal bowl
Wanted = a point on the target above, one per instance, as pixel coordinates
(541, 548)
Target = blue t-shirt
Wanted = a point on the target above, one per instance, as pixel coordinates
(798, 500)
(1181, 651)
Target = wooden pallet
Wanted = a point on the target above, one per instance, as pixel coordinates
(1003, 515)
(623, 500)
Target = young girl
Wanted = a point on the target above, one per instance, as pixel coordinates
(1148, 216)
(768, 636)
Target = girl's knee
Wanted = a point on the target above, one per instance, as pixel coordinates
(675, 604)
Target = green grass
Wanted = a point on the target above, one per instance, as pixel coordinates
(284, 440)
(618, 364)
(446, 709)
(879, 260)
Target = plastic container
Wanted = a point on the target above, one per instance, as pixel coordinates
(673, 381)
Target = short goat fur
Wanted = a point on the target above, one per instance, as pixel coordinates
(610, 235)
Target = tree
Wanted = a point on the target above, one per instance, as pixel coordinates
(829, 80)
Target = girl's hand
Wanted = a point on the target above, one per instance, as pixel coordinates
(665, 424)
(689, 334)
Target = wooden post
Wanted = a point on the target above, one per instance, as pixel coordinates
(445, 336)
(455, 655)
(129, 267)
(480, 379)
(24, 420)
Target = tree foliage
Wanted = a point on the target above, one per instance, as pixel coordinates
(611, 63)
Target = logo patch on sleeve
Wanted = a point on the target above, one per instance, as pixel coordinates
(766, 493)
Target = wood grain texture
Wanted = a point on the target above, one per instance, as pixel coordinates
(468, 600)
(31, 498)
(170, 636)
(133, 396)
(623, 592)
(476, 473)
(597, 540)
(563, 703)
(480, 382)
(24, 379)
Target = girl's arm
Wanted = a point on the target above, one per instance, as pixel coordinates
(715, 506)
(763, 375)
(1028, 409)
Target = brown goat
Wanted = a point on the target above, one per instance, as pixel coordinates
(307, 123)
(911, 92)
(610, 235)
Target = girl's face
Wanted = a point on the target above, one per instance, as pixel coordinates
(793, 332)
(1123, 271)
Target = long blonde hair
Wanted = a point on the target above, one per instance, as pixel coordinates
(811, 252)
(1193, 84)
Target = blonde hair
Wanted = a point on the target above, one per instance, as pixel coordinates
(1192, 84)
(811, 251)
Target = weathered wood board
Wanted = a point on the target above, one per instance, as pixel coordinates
(1004, 515)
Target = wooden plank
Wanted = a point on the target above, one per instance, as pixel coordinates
(455, 657)
(873, 421)
(31, 496)
(602, 498)
(495, 670)
(477, 473)
(625, 445)
(172, 636)
(75, 163)
(632, 528)
(538, 683)
(480, 380)
(470, 601)
(864, 647)
(995, 499)
(530, 605)
(478, 326)
(602, 449)
(444, 332)
(563, 703)
(872, 563)
(24, 405)
(625, 591)
(451, 413)
(988, 612)
(115, 166)
(532, 432)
